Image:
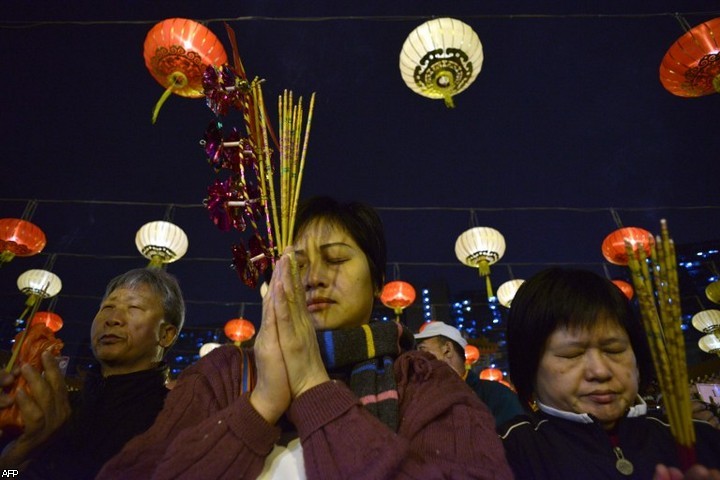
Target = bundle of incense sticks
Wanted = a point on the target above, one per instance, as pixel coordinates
(291, 163)
(658, 293)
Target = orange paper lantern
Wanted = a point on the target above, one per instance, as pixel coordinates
(51, 319)
(239, 330)
(177, 52)
(493, 374)
(625, 288)
(613, 247)
(19, 238)
(691, 66)
(472, 354)
(397, 295)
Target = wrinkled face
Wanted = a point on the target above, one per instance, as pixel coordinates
(336, 275)
(589, 371)
(128, 333)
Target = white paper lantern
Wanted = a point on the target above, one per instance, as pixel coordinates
(707, 321)
(506, 292)
(208, 347)
(161, 242)
(41, 283)
(480, 247)
(709, 344)
(441, 58)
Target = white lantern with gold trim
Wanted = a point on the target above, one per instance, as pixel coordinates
(441, 58)
(161, 242)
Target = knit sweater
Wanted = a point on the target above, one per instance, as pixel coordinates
(209, 430)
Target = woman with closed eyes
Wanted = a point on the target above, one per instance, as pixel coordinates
(330, 394)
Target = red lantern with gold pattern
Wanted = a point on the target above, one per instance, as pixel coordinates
(51, 319)
(492, 374)
(19, 238)
(397, 295)
(625, 288)
(613, 247)
(691, 66)
(239, 330)
(177, 52)
(472, 354)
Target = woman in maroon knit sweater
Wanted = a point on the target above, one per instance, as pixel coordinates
(325, 393)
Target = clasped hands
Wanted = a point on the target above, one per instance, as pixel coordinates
(43, 410)
(286, 350)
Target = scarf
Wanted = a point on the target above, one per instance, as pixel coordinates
(367, 354)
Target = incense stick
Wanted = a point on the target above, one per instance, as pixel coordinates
(658, 294)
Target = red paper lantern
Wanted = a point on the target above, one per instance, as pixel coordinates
(613, 247)
(472, 354)
(177, 52)
(493, 374)
(51, 319)
(691, 66)
(397, 295)
(19, 238)
(625, 288)
(239, 330)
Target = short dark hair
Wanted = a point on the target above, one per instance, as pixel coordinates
(361, 221)
(160, 282)
(565, 298)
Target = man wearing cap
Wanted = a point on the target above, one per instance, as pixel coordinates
(447, 344)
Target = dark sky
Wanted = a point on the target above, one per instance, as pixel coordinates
(566, 123)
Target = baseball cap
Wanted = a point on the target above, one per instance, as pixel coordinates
(434, 329)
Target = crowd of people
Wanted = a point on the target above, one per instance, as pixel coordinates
(327, 392)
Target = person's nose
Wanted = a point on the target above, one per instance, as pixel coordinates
(315, 275)
(597, 366)
(114, 317)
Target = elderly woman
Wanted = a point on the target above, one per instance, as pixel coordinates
(577, 354)
(326, 376)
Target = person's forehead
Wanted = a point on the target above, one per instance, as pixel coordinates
(598, 332)
(140, 290)
(323, 231)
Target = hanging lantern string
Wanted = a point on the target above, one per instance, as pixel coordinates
(683, 23)
(659, 299)
(29, 210)
(169, 213)
(33, 304)
(616, 218)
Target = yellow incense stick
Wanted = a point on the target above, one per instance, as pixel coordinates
(658, 296)
(302, 162)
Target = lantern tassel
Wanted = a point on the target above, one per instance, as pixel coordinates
(6, 256)
(488, 286)
(483, 268)
(179, 80)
